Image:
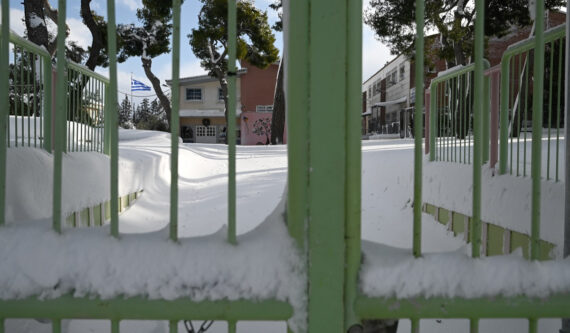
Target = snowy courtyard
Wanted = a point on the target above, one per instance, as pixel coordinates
(266, 265)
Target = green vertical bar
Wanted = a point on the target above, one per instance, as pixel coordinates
(477, 127)
(22, 86)
(526, 113)
(232, 326)
(418, 128)
(35, 102)
(460, 126)
(327, 174)
(28, 106)
(112, 117)
(486, 116)
(174, 120)
(173, 324)
(297, 67)
(231, 132)
(106, 123)
(454, 115)
(550, 88)
(5, 105)
(60, 118)
(432, 121)
(56, 325)
(353, 158)
(2, 320)
(558, 105)
(532, 325)
(537, 129)
(16, 90)
(115, 326)
(474, 325)
(415, 325)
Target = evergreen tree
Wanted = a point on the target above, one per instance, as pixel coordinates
(209, 41)
(125, 113)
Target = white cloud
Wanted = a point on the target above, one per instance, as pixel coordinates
(79, 33)
(17, 21)
(374, 53)
(187, 68)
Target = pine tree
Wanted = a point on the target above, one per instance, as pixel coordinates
(125, 113)
(209, 41)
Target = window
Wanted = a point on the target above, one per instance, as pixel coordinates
(402, 71)
(264, 108)
(220, 94)
(193, 94)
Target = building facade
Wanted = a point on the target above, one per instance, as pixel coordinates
(202, 118)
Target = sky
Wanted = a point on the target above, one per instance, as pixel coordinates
(374, 54)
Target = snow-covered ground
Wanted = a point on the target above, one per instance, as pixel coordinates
(261, 175)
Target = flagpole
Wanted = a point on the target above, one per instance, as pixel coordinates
(132, 99)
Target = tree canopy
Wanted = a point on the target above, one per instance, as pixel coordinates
(149, 40)
(394, 23)
(209, 41)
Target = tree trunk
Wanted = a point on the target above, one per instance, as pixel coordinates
(224, 85)
(278, 116)
(164, 101)
(97, 43)
(37, 33)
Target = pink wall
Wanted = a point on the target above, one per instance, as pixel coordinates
(257, 86)
(255, 128)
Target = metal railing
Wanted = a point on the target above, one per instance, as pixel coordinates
(31, 97)
(324, 183)
(30, 93)
(518, 77)
(451, 115)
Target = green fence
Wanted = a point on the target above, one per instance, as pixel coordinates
(323, 208)
(517, 98)
(451, 115)
(31, 94)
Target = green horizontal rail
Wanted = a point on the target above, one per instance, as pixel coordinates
(488, 307)
(86, 71)
(26, 44)
(69, 307)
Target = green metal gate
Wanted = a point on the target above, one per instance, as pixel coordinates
(324, 179)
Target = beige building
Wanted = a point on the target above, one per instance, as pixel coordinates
(202, 109)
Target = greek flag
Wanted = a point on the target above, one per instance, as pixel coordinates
(138, 86)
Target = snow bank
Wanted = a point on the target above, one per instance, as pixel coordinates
(29, 182)
(391, 272)
(90, 263)
(506, 200)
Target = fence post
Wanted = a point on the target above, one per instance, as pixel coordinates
(112, 116)
(478, 109)
(537, 129)
(419, 70)
(60, 119)
(5, 104)
(329, 121)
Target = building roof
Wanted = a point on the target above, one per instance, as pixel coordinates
(193, 113)
(202, 78)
